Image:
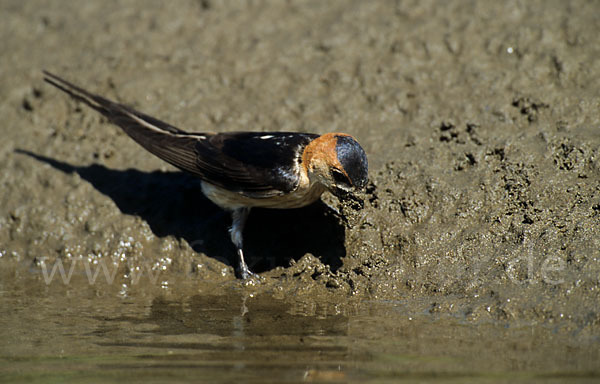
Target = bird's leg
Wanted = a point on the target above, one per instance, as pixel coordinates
(239, 216)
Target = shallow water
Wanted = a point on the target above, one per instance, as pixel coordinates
(236, 333)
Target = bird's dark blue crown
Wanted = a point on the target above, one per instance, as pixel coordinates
(354, 160)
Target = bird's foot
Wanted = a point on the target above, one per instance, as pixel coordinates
(247, 274)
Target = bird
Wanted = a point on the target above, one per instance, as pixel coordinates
(242, 170)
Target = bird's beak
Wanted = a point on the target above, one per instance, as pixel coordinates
(348, 196)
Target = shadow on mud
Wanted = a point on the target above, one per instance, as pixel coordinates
(173, 204)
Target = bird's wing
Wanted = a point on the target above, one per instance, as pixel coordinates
(255, 164)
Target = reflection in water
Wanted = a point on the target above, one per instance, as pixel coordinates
(243, 315)
(249, 333)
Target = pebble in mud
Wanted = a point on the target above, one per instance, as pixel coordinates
(92, 225)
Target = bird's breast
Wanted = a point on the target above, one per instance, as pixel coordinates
(302, 196)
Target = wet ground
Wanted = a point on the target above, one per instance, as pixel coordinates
(476, 256)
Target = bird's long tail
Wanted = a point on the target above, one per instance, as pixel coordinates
(163, 140)
(108, 108)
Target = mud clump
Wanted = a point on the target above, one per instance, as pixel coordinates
(508, 225)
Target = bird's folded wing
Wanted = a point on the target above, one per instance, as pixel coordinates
(258, 164)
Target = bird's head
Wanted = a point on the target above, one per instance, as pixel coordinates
(337, 161)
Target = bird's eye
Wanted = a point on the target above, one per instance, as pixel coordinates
(340, 178)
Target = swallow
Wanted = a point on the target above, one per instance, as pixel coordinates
(243, 170)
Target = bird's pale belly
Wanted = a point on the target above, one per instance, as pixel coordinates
(232, 200)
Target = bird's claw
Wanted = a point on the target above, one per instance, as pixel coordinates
(247, 274)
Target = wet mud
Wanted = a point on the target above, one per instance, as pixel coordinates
(481, 220)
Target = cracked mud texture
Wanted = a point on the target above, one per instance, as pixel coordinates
(481, 121)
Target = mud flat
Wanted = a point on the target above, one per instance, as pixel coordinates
(477, 254)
